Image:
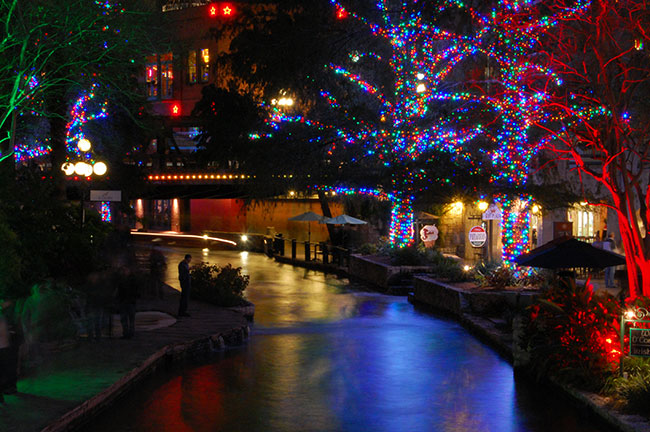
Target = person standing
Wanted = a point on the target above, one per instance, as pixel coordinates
(157, 266)
(10, 340)
(127, 294)
(609, 245)
(186, 284)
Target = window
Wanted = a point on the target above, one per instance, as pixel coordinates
(166, 76)
(585, 225)
(205, 65)
(159, 76)
(191, 67)
(151, 77)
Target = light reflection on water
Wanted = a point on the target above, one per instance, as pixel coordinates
(325, 356)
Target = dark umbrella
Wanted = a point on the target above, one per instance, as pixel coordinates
(567, 252)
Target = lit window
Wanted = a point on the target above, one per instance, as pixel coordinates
(151, 76)
(205, 65)
(191, 67)
(166, 76)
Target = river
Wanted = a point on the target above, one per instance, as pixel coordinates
(327, 355)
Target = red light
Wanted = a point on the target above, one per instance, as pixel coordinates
(176, 110)
(227, 10)
(341, 13)
(213, 10)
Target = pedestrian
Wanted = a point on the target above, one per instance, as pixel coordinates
(157, 266)
(186, 285)
(10, 340)
(127, 294)
(98, 297)
(609, 245)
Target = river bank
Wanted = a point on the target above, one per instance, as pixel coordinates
(463, 305)
(75, 381)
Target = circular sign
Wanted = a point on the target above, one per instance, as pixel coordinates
(477, 236)
(429, 233)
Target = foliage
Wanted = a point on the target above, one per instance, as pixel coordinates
(54, 50)
(46, 314)
(222, 286)
(633, 388)
(10, 263)
(440, 265)
(573, 334)
(407, 256)
(227, 118)
(602, 117)
(51, 242)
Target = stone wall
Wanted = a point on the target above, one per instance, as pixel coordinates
(381, 275)
(458, 301)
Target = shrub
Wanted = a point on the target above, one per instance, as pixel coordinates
(221, 286)
(408, 256)
(573, 334)
(632, 390)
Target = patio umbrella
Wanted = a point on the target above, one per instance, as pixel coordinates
(567, 252)
(344, 219)
(308, 217)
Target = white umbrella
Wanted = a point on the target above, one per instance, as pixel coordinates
(344, 219)
(308, 217)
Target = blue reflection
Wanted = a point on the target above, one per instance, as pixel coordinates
(326, 357)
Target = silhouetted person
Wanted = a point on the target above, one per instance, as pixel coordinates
(186, 284)
(127, 294)
(157, 266)
(10, 340)
(99, 296)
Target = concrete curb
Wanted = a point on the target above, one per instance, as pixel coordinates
(166, 355)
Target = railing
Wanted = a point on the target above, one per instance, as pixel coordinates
(309, 252)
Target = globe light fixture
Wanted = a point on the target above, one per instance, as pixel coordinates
(535, 209)
(100, 168)
(68, 168)
(83, 169)
(84, 145)
(482, 205)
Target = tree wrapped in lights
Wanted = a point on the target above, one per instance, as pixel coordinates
(54, 50)
(429, 106)
(407, 118)
(602, 123)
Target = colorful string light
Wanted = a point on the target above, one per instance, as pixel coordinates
(408, 126)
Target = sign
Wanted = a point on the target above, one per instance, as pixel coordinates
(640, 342)
(429, 233)
(106, 195)
(477, 236)
(493, 212)
(562, 229)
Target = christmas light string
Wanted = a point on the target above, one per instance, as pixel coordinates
(423, 57)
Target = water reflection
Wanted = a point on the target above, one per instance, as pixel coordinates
(327, 357)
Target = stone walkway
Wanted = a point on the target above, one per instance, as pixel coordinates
(75, 382)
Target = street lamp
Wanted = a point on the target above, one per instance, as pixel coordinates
(84, 169)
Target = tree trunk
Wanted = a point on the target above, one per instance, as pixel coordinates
(327, 212)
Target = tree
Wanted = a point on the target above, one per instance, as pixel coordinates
(54, 50)
(603, 122)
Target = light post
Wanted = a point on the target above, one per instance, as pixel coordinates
(84, 169)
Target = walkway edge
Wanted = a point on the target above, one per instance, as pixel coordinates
(170, 353)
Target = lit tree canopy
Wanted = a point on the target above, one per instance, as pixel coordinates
(602, 122)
